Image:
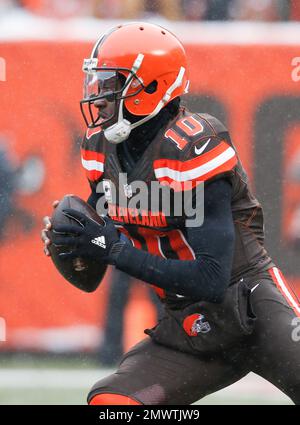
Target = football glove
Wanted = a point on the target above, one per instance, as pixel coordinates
(87, 238)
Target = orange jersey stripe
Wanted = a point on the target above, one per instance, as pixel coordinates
(93, 163)
(194, 162)
(180, 246)
(135, 242)
(285, 290)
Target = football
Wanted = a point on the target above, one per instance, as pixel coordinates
(84, 274)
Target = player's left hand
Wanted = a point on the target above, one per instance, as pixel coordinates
(86, 238)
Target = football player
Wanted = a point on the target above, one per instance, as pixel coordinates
(228, 308)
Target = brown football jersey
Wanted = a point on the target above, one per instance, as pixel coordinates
(193, 149)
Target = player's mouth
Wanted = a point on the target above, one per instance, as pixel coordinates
(105, 119)
(102, 117)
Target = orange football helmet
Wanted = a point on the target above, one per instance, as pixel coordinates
(139, 65)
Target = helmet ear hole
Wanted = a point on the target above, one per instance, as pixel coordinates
(152, 87)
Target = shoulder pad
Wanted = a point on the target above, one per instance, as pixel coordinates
(205, 153)
(188, 128)
(216, 126)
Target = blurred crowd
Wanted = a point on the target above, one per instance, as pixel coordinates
(193, 10)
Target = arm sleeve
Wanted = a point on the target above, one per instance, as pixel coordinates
(206, 277)
(93, 198)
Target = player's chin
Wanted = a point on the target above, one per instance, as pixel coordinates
(107, 122)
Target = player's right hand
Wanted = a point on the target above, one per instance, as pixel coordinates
(44, 232)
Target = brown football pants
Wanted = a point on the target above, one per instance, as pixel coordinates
(155, 375)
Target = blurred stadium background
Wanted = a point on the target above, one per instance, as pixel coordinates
(244, 57)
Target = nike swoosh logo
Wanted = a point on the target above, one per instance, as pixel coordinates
(253, 289)
(200, 150)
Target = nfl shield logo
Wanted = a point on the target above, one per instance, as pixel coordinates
(107, 190)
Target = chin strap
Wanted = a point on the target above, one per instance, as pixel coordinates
(121, 130)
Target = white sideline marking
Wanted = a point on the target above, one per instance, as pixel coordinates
(50, 378)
